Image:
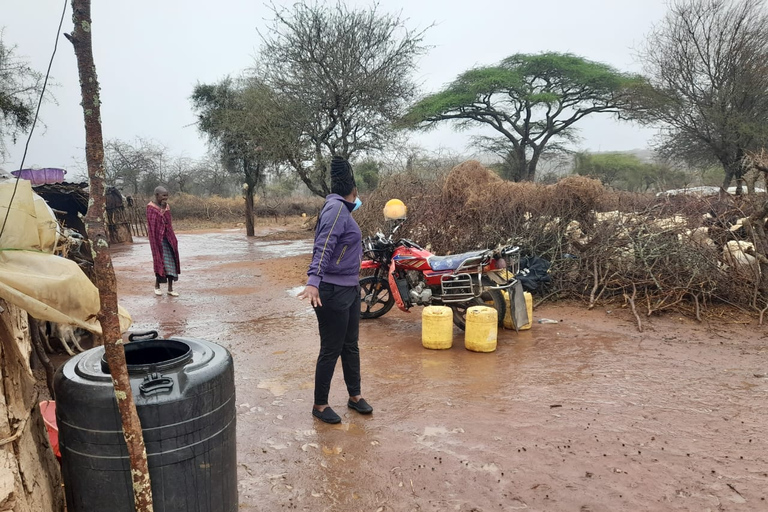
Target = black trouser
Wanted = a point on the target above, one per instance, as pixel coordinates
(339, 322)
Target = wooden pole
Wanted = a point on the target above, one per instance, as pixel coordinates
(96, 226)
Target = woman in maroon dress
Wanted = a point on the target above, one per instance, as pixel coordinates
(162, 241)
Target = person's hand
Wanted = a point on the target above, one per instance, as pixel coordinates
(313, 294)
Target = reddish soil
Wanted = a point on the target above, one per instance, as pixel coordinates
(584, 415)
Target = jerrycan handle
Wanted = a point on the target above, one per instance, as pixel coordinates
(156, 383)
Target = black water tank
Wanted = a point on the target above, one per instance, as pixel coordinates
(184, 391)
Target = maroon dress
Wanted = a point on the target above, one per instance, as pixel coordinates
(162, 241)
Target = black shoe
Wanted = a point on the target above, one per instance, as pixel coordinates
(327, 415)
(360, 406)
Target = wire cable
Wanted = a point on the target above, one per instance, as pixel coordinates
(34, 121)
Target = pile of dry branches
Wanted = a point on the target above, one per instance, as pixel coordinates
(684, 253)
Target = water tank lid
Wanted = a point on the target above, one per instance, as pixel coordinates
(155, 355)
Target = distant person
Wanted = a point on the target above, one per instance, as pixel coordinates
(333, 290)
(162, 241)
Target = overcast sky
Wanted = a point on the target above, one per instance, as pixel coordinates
(150, 54)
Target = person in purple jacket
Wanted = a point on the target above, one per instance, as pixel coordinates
(334, 292)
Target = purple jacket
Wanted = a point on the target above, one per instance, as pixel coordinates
(338, 248)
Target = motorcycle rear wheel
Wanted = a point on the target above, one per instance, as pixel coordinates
(491, 298)
(495, 299)
(375, 297)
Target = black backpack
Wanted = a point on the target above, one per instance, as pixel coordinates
(534, 273)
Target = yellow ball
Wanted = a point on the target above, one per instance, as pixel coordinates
(395, 209)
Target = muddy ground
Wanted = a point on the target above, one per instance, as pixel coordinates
(584, 415)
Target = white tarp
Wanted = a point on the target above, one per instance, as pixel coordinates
(47, 286)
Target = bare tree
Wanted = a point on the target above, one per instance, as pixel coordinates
(707, 68)
(181, 173)
(342, 75)
(211, 177)
(130, 163)
(20, 87)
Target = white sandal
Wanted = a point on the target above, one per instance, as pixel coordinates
(158, 292)
(173, 294)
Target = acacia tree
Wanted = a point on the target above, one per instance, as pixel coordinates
(707, 70)
(20, 87)
(533, 101)
(226, 116)
(626, 171)
(343, 75)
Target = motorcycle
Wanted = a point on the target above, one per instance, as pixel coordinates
(403, 273)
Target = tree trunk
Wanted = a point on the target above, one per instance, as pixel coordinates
(733, 170)
(102, 261)
(30, 480)
(521, 165)
(250, 229)
(250, 190)
(532, 164)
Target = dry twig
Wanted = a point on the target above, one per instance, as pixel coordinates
(631, 301)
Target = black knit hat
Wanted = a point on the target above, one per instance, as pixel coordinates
(342, 179)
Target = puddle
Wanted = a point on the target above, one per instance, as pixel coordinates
(334, 450)
(285, 249)
(349, 427)
(273, 386)
(441, 431)
(435, 431)
(217, 247)
(295, 291)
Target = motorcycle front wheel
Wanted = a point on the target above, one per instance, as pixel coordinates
(491, 298)
(375, 297)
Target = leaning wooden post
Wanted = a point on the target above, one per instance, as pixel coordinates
(96, 226)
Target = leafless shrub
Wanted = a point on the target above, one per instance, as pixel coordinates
(231, 209)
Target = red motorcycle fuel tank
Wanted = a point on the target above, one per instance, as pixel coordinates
(408, 258)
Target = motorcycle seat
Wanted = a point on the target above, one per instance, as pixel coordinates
(453, 261)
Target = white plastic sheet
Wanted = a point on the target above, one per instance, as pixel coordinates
(47, 286)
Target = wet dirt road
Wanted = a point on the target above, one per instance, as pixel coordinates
(583, 415)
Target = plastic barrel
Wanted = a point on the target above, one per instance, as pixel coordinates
(482, 329)
(437, 327)
(185, 397)
(509, 321)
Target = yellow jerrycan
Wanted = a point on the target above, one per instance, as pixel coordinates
(482, 329)
(509, 321)
(437, 327)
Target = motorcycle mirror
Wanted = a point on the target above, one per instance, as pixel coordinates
(510, 250)
(397, 225)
